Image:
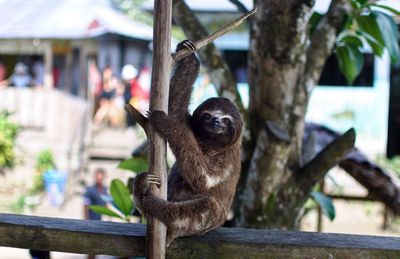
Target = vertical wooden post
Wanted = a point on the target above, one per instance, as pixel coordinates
(162, 61)
(48, 65)
(68, 70)
(83, 66)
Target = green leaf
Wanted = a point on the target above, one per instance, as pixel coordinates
(314, 20)
(135, 164)
(368, 25)
(359, 4)
(105, 211)
(388, 8)
(352, 40)
(121, 196)
(362, 2)
(271, 203)
(376, 47)
(389, 34)
(325, 203)
(350, 61)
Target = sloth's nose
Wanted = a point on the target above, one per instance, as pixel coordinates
(215, 122)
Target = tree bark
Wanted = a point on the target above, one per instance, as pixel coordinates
(379, 185)
(284, 66)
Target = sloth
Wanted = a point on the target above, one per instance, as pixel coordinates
(206, 145)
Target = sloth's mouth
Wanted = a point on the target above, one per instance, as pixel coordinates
(215, 129)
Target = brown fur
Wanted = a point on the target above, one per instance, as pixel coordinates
(202, 182)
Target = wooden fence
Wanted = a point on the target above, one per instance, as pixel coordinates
(41, 108)
(123, 239)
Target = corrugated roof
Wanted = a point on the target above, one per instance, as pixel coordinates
(208, 5)
(227, 6)
(66, 19)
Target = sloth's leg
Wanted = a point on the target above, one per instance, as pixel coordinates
(141, 184)
(183, 218)
(173, 213)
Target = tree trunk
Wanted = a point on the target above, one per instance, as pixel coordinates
(284, 66)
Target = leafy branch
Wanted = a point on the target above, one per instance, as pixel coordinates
(368, 27)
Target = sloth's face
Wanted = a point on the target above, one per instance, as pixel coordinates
(216, 122)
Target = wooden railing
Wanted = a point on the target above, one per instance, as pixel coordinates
(123, 239)
(40, 108)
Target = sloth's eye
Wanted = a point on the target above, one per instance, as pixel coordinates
(226, 120)
(206, 116)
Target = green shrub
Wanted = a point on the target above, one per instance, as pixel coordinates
(8, 133)
(44, 162)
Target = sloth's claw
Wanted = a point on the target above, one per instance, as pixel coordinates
(148, 113)
(189, 45)
(154, 179)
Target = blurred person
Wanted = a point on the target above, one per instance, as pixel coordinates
(38, 70)
(3, 72)
(139, 95)
(119, 102)
(56, 76)
(106, 77)
(95, 194)
(106, 108)
(145, 78)
(20, 77)
(95, 79)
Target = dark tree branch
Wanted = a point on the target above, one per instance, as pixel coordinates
(213, 36)
(380, 185)
(330, 156)
(240, 6)
(137, 116)
(323, 41)
(210, 56)
(296, 191)
(320, 48)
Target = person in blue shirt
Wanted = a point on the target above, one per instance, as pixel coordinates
(21, 77)
(95, 195)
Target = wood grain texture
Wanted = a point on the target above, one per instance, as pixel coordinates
(122, 239)
(74, 236)
(162, 64)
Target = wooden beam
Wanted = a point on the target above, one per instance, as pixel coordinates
(162, 65)
(73, 236)
(122, 239)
